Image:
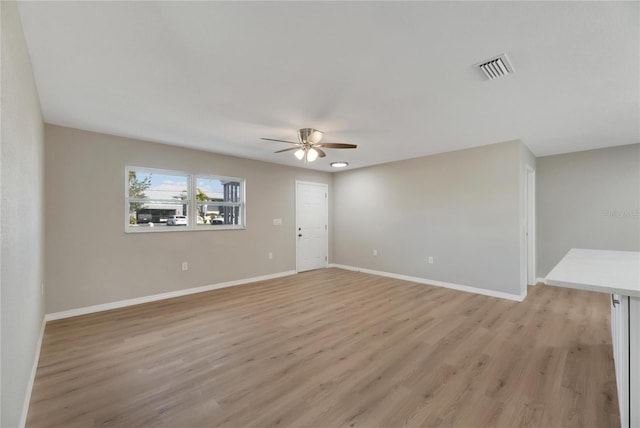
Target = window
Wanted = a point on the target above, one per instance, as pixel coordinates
(162, 201)
(219, 201)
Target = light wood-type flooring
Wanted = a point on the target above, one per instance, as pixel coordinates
(333, 348)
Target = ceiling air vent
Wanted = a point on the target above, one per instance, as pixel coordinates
(496, 67)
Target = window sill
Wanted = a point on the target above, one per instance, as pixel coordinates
(173, 229)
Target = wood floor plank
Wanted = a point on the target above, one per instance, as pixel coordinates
(332, 348)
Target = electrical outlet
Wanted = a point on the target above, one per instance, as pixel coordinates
(375, 252)
(430, 260)
(185, 266)
(270, 256)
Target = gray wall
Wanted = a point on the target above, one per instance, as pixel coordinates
(20, 219)
(587, 199)
(462, 208)
(90, 260)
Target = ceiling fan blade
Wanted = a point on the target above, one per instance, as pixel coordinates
(337, 146)
(320, 152)
(281, 141)
(286, 150)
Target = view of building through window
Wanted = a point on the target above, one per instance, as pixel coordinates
(218, 200)
(164, 199)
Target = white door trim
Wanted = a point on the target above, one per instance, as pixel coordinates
(326, 230)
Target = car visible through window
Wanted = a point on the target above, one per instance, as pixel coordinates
(177, 220)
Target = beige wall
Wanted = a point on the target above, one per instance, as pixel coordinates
(587, 199)
(461, 207)
(90, 260)
(21, 233)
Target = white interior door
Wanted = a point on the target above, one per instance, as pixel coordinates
(530, 201)
(312, 234)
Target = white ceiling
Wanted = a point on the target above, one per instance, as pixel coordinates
(395, 78)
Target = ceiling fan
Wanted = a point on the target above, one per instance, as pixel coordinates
(309, 147)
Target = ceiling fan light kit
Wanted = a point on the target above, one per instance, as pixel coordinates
(308, 154)
(308, 147)
(312, 154)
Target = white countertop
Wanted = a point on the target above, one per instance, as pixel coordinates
(613, 272)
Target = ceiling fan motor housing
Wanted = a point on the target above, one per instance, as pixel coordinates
(309, 135)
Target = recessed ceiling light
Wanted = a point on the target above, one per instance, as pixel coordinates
(340, 164)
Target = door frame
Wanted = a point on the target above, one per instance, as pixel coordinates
(530, 213)
(326, 216)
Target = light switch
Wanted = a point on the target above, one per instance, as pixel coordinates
(277, 222)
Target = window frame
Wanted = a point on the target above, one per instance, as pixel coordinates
(191, 202)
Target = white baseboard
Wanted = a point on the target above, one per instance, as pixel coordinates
(155, 297)
(32, 377)
(466, 288)
(540, 280)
